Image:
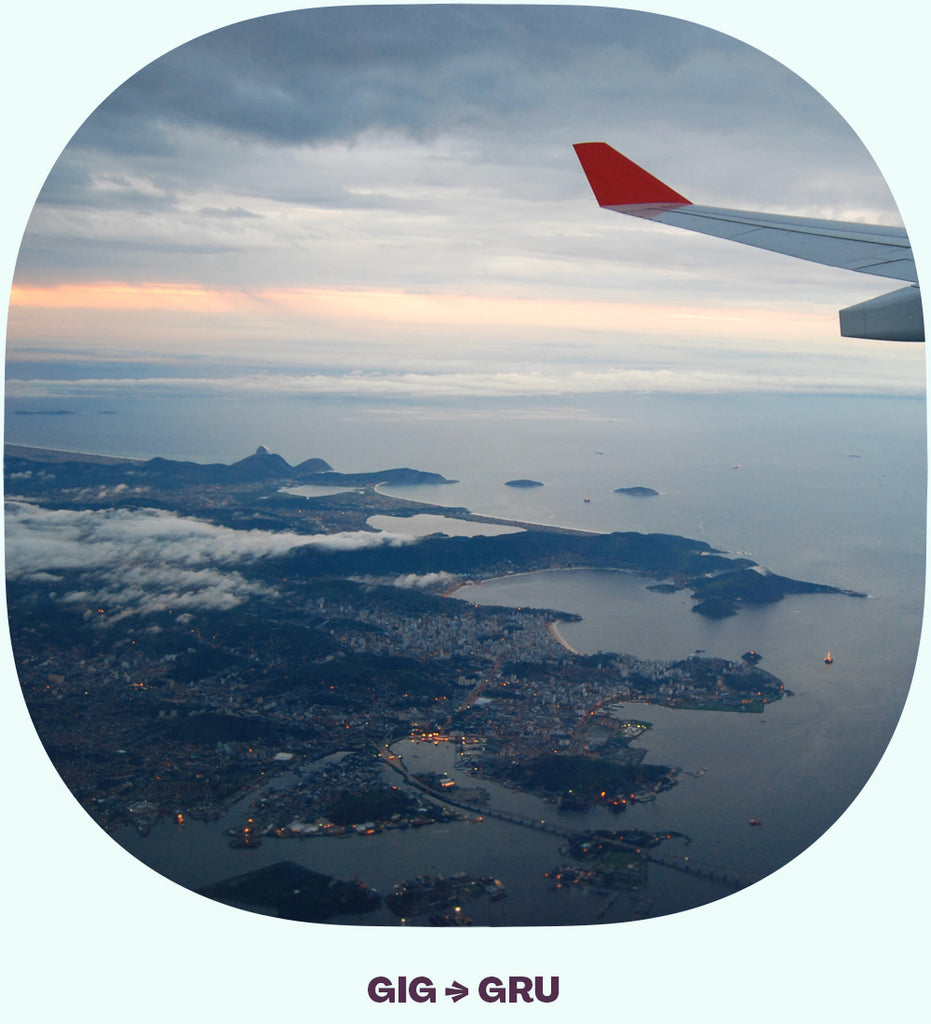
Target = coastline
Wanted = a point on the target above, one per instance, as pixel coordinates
(534, 572)
(37, 454)
(553, 629)
(52, 455)
(477, 517)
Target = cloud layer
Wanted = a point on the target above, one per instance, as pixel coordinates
(845, 368)
(143, 561)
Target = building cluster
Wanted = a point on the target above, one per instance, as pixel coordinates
(128, 737)
(465, 631)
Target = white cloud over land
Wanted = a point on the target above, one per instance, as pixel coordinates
(145, 560)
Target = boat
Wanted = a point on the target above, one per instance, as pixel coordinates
(755, 821)
(828, 660)
(586, 499)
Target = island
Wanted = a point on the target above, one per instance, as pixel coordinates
(523, 483)
(637, 492)
(290, 891)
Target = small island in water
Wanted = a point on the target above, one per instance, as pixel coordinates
(523, 483)
(637, 492)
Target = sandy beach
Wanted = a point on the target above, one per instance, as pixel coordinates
(60, 455)
(553, 629)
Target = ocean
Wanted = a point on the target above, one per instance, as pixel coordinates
(829, 489)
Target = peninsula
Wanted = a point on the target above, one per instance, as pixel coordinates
(183, 633)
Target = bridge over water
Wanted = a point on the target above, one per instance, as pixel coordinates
(726, 876)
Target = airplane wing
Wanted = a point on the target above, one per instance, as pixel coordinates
(620, 185)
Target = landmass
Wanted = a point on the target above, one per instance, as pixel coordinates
(290, 891)
(44, 412)
(283, 634)
(637, 492)
(523, 483)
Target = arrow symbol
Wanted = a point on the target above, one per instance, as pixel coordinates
(457, 991)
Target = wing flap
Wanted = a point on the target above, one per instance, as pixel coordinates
(867, 249)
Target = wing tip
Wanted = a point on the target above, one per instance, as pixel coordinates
(618, 181)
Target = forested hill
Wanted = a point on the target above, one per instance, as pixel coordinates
(63, 469)
(718, 583)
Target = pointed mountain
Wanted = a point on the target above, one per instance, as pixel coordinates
(263, 465)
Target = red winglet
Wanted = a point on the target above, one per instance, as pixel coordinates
(617, 181)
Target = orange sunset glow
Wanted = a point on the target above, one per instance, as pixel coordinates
(334, 305)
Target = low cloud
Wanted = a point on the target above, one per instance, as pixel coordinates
(849, 367)
(430, 579)
(143, 590)
(411, 581)
(143, 561)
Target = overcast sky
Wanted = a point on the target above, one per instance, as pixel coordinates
(394, 190)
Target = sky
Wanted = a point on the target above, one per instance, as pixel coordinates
(385, 200)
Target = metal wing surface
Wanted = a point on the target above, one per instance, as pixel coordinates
(622, 186)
